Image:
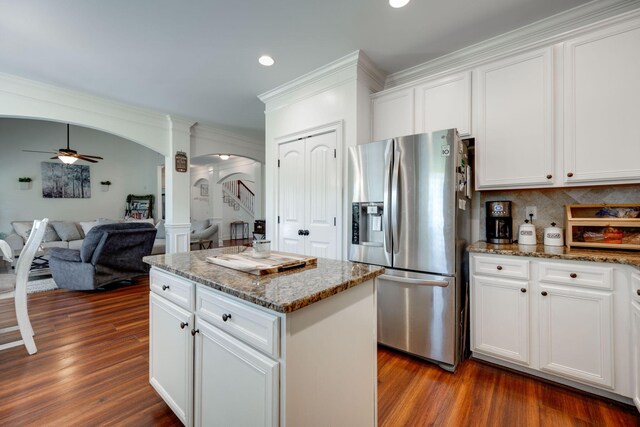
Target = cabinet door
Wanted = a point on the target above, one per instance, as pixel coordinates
(291, 193)
(501, 318)
(321, 204)
(635, 318)
(444, 104)
(392, 114)
(602, 88)
(515, 141)
(576, 338)
(235, 384)
(171, 355)
(308, 196)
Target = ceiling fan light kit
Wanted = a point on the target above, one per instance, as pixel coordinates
(67, 155)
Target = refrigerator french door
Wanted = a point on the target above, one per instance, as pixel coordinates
(410, 213)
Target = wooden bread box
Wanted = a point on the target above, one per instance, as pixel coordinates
(586, 227)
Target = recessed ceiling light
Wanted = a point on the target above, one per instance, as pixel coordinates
(266, 60)
(398, 3)
(224, 156)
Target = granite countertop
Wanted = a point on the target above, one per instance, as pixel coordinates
(283, 292)
(559, 252)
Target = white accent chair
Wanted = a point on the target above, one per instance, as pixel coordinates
(15, 286)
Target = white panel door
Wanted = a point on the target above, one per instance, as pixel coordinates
(444, 104)
(171, 355)
(576, 334)
(321, 193)
(291, 193)
(602, 89)
(501, 318)
(515, 134)
(392, 114)
(635, 327)
(236, 386)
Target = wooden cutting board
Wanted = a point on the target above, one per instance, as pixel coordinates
(277, 262)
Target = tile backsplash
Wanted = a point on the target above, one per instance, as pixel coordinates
(550, 203)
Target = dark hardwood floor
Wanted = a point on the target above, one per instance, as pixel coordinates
(92, 369)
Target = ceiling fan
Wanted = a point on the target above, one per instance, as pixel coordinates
(67, 155)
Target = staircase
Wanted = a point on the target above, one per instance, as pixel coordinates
(237, 195)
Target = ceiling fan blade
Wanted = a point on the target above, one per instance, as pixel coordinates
(35, 151)
(93, 157)
(81, 157)
(53, 158)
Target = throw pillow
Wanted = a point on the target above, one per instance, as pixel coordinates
(87, 226)
(148, 220)
(23, 228)
(198, 226)
(67, 231)
(109, 221)
(161, 233)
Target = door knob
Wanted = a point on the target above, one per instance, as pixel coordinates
(573, 275)
(549, 176)
(570, 174)
(523, 290)
(165, 287)
(544, 293)
(226, 317)
(194, 332)
(183, 325)
(306, 232)
(638, 292)
(499, 267)
(300, 232)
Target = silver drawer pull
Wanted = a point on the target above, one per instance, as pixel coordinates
(440, 283)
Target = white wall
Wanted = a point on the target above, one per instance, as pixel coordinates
(130, 167)
(199, 204)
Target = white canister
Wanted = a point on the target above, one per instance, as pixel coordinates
(553, 236)
(527, 233)
(261, 248)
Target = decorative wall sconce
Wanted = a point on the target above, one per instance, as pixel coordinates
(25, 183)
(105, 185)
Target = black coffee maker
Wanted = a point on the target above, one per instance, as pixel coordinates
(499, 223)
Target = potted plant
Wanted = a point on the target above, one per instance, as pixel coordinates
(25, 182)
(105, 185)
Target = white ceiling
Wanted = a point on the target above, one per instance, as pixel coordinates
(198, 58)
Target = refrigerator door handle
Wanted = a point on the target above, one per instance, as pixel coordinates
(394, 200)
(422, 282)
(387, 203)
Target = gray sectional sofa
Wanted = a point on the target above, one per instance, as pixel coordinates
(70, 235)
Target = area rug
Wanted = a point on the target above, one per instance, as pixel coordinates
(41, 285)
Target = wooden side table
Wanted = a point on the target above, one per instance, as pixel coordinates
(239, 230)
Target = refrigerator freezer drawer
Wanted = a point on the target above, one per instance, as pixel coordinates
(416, 314)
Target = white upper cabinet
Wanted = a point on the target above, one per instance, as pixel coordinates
(392, 114)
(602, 111)
(444, 104)
(514, 132)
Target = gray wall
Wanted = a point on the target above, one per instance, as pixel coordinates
(130, 167)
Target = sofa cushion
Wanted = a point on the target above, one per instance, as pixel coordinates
(198, 226)
(109, 221)
(23, 228)
(67, 230)
(161, 234)
(147, 220)
(75, 244)
(87, 226)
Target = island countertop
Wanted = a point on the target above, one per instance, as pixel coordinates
(559, 252)
(283, 292)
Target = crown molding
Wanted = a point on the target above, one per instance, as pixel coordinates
(538, 34)
(346, 63)
(374, 74)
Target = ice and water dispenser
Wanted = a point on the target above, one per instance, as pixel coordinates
(367, 226)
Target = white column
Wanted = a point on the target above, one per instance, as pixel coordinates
(215, 201)
(178, 188)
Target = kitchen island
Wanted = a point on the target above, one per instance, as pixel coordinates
(293, 348)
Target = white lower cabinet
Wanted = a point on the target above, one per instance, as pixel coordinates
(229, 375)
(576, 334)
(569, 321)
(635, 319)
(171, 355)
(501, 318)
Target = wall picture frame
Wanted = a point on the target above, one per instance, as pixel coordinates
(204, 190)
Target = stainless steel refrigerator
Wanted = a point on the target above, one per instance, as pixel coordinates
(410, 208)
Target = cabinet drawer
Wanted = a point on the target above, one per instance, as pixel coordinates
(577, 275)
(250, 325)
(510, 267)
(176, 289)
(635, 286)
